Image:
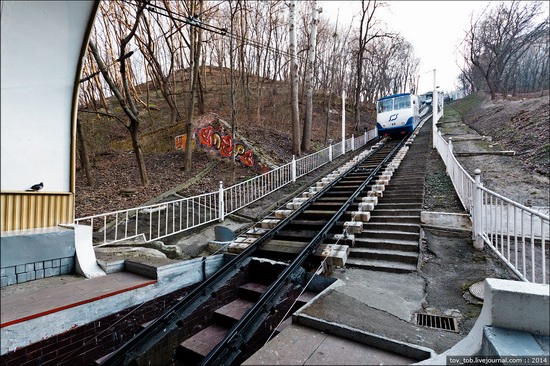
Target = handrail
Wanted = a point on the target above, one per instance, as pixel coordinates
(156, 221)
(517, 234)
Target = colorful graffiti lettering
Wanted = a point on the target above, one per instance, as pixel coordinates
(223, 142)
(180, 142)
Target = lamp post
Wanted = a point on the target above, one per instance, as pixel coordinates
(343, 122)
(434, 112)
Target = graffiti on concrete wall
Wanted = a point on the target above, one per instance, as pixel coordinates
(180, 142)
(222, 142)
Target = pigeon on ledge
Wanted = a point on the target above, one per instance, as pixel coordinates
(36, 187)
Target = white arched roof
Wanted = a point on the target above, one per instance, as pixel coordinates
(43, 43)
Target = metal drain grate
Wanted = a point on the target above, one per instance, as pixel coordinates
(437, 322)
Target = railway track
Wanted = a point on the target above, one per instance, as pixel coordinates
(235, 311)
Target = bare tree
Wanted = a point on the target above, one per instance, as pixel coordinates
(498, 41)
(306, 136)
(294, 81)
(124, 97)
(195, 51)
(233, 117)
(366, 34)
(161, 69)
(83, 152)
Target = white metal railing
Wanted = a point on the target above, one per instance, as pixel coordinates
(462, 181)
(517, 234)
(160, 220)
(154, 221)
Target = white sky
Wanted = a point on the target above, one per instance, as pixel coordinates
(434, 28)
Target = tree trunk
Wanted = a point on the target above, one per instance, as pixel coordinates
(294, 82)
(127, 106)
(134, 133)
(233, 115)
(195, 41)
(84, 158)
(306, 137)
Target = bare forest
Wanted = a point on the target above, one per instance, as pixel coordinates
(506, 50)
(269, 73)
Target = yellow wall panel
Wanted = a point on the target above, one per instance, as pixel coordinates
(29, 210)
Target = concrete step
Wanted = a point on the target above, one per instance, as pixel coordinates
(388, 234)
(384, 255)
(397, 183)
(407, 192)
(502, 342)
(389, 205)
(380, 265)
(252, 291)
(402, 199)
(396, 212)
(393, 244)
(393, 226)
(195, 348)
(228, 315)
(382, 217)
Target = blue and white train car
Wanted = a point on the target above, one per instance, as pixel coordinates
(397, 114)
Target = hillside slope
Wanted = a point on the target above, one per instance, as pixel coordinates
(521, 125)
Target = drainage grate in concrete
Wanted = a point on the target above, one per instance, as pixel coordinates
(437, 322)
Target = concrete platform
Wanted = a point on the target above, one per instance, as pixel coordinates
(381, 307)
(300, 345)
(24, 302)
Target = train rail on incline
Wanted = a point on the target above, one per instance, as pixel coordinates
(231, 314)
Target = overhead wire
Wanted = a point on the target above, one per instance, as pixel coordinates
(194, 21)
(130, 53)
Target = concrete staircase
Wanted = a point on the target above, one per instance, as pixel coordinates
(390, 240)
(195, 348)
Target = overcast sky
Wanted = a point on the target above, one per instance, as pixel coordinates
(434, 28)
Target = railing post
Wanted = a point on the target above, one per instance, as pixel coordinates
(352, 142)
(293, 168)
(449, 153)
(330, 151)
(343, 122)
(365, 139)
(434, 109)
(221, 203)
(478, 211)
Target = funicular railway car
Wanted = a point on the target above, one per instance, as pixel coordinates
(397, 114)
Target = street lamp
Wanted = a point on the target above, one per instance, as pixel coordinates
(434, 112)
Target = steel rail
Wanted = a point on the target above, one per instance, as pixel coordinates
(172, 318)
(231, 346)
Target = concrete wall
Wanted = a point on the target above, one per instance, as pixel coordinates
(37, 253)
(51, 327)
(514, 305)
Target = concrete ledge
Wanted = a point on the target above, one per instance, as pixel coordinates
(508, 342)
(195, 269)
(446, 220)
(34, 245)
(111, 266)
(515, 305)
(401, 348)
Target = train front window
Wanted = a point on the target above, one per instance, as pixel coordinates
(385, 105)
(403, 102)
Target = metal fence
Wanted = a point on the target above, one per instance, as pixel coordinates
(160, 220)
(517, 234)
